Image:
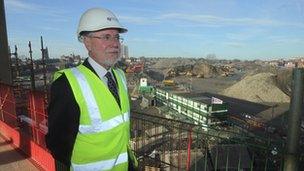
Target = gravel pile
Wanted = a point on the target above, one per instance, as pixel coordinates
(258, 88)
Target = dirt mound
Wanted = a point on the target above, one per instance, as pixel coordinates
(201, 70)
(259, 88)
(205, 70)
(172, 62)
(155, 75)
(173, 67)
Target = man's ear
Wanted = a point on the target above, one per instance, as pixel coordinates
(87, 43)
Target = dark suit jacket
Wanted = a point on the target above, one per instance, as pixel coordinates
(63, 119)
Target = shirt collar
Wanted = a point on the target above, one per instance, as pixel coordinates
(100, 70)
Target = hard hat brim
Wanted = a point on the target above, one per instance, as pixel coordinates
(120, 30)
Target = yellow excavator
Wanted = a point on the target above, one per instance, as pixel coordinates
(169, 82)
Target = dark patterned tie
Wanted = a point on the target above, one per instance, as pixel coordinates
(112, 87)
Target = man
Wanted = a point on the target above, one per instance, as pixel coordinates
(88, 123)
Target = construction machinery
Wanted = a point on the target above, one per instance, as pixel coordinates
(135, 68)
(169, 82)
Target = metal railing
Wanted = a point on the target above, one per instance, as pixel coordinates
(167, 144)
(159, 143)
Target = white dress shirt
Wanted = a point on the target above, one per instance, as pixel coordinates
(100, 70)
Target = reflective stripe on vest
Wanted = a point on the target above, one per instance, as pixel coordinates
(101, 165)
(97, 125)
(104, 126)
(123, 80)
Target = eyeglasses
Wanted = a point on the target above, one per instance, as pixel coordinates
(108, 38)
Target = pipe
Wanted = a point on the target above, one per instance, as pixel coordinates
(294, 121)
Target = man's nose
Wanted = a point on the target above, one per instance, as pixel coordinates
(115, 43)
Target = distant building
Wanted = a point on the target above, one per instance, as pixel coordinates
(46, 53)
(124, 52)
(301, 63)
(70, 60)
(274, 63)
(290, 64)
(194, 107)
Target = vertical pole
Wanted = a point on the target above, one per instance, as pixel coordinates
(32, 67)
(294, 121)
(10, 63)
(171, 149)
(43, 61)
(252, 162)
(239, 163)
(189, 150)
(227, 158)
(267, 154)
(196, 147)
(206, 156)
(165, 146)
(266, 161)
(216, 158)
(179, 149)
(1, 106)
(5, 67)
(143, 136)
(44, 70)
(154, 137)
(17, 61)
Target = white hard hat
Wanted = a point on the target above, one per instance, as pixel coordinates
(96, 19)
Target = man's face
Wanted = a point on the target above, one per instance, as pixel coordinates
(103, 46)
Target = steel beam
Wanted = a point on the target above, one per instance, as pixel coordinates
(5, 66)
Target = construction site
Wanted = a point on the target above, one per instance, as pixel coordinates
(173, 127)
(186, 114)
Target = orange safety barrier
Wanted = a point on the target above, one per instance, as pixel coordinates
(8, 106)
(37, 113)
(25, 129)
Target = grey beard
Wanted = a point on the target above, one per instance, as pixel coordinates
(111, 63)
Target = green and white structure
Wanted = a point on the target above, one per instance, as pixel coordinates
(194, 107)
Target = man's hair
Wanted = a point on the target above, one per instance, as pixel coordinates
(85, 33)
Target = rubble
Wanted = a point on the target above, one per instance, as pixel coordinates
(171, 68)
(204, 70)
(166, 63)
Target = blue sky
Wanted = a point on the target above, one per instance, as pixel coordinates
(243, 29)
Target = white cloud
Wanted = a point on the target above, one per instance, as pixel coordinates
(246, 34)
(234, 44)
(222, 21)
(18, 5)
(139, 10)
(191, 35)
(138, 20)
(179, 19)
(282, 40)
(26, 7)
(141, 40)
(49, 28)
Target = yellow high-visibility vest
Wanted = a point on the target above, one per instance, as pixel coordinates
(104, 129)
